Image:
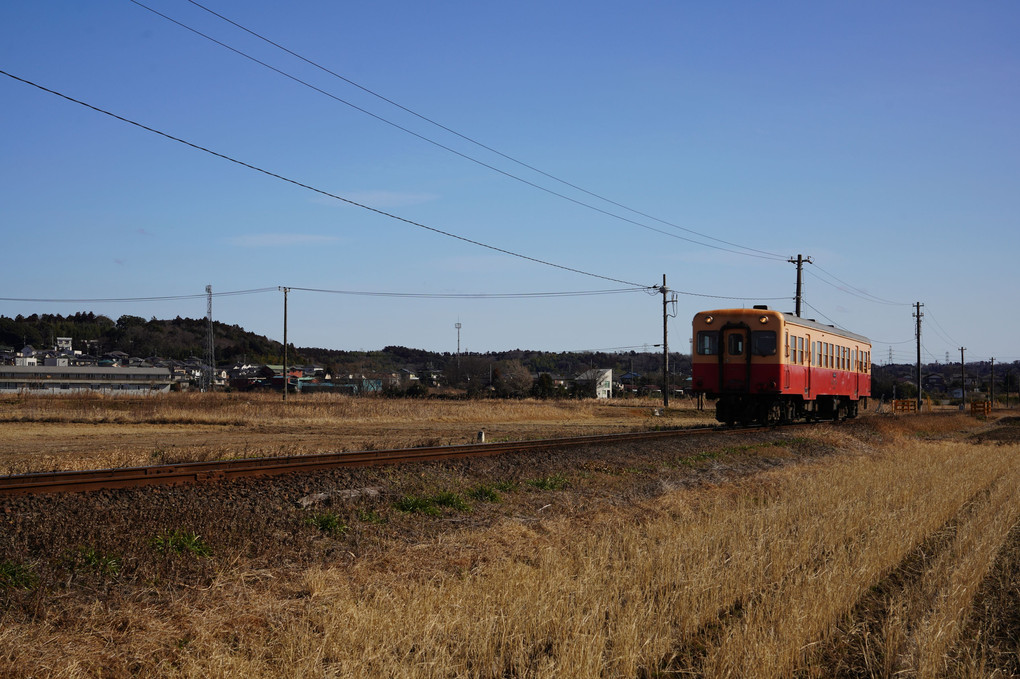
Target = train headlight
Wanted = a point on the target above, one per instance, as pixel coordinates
(763, 320)
(708, 320)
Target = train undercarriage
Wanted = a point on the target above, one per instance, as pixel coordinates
(770, 409)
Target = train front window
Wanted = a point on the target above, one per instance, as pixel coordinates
(763, 342)
(735, 343)
(708, 342)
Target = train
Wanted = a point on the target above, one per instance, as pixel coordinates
(769, 367)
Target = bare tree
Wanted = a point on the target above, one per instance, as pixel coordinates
(511, 379)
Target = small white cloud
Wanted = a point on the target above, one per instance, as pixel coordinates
(276, 240)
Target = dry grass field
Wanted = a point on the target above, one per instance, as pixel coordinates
(93, 431)
(886, 547)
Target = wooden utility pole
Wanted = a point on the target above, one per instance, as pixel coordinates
(963, 378)
(918, 314)
(991, 383)
(285, 376)
(665, 346)
(800, 265)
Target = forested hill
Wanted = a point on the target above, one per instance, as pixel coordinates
(180, 338)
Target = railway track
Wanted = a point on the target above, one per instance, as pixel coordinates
(222, 470)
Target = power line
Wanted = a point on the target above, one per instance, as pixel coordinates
(944, 333)
(851, 290)
(645, 347)
(160, 298)
(808, 304)
(479, 295)
(325, 193)
(762, 254)
(909, 341)
(363, 293)
(512, 295)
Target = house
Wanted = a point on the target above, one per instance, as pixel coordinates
(26, 357)
(598, 381)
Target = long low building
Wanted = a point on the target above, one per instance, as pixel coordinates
(63, 379)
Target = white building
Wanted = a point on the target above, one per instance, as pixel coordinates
(599, 379)
(65, 379)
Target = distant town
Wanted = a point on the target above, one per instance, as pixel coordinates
(62, 368)
(85, 351)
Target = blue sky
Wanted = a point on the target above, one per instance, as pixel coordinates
(880, 139)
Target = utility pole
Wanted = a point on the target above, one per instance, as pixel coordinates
(800, 265)
(665, 347)
(918, 314)
(991, 383)
(210, 349)
(285, 377)
(458, 326)
(963, 378)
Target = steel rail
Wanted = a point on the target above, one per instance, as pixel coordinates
(219, 470)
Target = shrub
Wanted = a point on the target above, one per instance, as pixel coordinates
(431, 505)
(327, 522)
(418, 505)
(451, 500)
(17, 576)
(484, 493)
(181, 541)
(369, 516)
(94, 560)
(552, 482)
(506, 486)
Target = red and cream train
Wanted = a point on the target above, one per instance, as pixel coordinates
(769, 367)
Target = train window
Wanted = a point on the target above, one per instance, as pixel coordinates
(786, 344)
(708, 342)
(735, 344)
(814, 353)
(763, 342)
(800, 350)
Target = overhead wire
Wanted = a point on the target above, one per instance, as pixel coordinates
(280, 177)
(519, 295)
(480, 295)
(808, 305)
(942, 331)
(851, 290)
(613, 349)
(158, 298)
(751, 252)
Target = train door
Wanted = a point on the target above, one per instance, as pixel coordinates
(787, 359)
(855, 378)
(810, 364)
(735, 358)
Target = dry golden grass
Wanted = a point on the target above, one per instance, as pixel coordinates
(759, 578)
(91, 431)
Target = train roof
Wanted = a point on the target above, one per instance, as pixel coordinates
(797, 320)
(811, 323)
